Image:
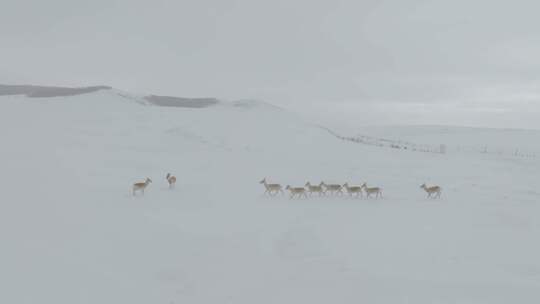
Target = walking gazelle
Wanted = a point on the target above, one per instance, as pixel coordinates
(171, 179)
(315, 188)
(271, 189)
(332, 188)
(373, 190)
(432, 190)
(296, 191)
(353, 189)
(141, 186)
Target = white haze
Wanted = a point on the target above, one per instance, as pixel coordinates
(389, 62)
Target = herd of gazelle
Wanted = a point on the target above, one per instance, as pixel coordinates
(171, 179)
(335, 189)
(320, 189)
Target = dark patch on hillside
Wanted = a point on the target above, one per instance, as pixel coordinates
(181, 102)
(43, 91)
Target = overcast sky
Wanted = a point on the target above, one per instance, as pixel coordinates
(455, 62)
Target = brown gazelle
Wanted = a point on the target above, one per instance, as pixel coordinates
(432, 190)
(332, 188)
(314, 188)
(373, 190)
(141, 186)
(296, 191)
(171, 179)
(353, 189)
(271, 189)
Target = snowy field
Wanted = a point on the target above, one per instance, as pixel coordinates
(72, 233)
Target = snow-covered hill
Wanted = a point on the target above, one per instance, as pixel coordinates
(72, 233)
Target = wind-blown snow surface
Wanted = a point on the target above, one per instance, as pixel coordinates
(71, 232)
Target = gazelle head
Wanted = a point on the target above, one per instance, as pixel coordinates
(263, 181)
(308, 184)
(345, 185)
(288, 187)
(363, 185)
(168, 175)
(148, 181)
(423, 185)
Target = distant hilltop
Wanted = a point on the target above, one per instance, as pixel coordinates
(46, 91)
(37, 91)
(183, 102)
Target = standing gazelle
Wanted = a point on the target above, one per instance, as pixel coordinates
(271, 189)
(141, 186)
(171, 179)
(314, 189)
(432, 190)
(296, 191)
(369, 191)
(353, 189)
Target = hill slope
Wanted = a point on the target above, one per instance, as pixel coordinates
(72, 233)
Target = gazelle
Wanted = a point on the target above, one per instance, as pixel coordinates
(141, 186)
(171, 179)
(333, 188)
(271, 189)
(432, 190)
(297, 191)
(369, 191)
(353, 189)
(315, 188)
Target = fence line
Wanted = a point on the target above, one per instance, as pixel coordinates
(440, 149)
